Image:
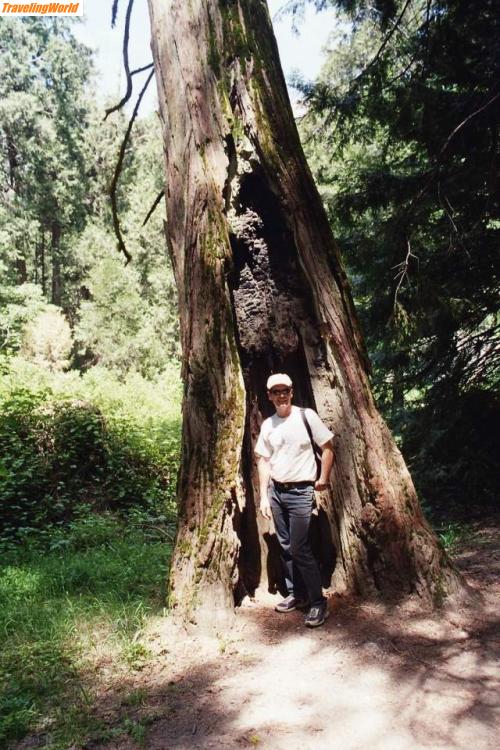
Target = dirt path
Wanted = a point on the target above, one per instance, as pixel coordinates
(377, 677)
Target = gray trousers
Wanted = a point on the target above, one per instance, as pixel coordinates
(292, 509)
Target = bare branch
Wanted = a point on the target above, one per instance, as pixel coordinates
(126, 35)
(466, 120)
(125, 99)
(140, 70)
(402, 273)
(153, 207)
(127, 96)
(118, 169)
(6, 339)
(114, 13)
(435, 169)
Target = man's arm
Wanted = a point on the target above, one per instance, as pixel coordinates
(264, 471)
(326, 466)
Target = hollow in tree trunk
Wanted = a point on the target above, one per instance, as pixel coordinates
(262, 289)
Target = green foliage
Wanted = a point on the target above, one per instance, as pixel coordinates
(452, 446)
(127, 318)
(451, 535)
(30, 324)
(48, 340)
(118, 328)
(19, 306)
(88, 462)
(401, 133)
(55, 222)
(93, 589)
(42, 123)
(66, 442)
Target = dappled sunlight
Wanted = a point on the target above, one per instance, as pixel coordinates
(376, 675)
(377, 678)
(17, 582)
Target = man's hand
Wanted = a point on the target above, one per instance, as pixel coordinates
(326, 466)
(320, 485)
(265, 509)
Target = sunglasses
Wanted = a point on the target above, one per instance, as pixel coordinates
(280, 392)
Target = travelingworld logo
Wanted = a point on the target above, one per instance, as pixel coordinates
(41, 9)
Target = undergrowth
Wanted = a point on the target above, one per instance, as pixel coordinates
(68, 440)
(452, 534)
(81, 598)
(88, 469)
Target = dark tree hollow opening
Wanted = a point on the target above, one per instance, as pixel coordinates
(274, 316)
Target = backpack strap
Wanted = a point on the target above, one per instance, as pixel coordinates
(316, 450)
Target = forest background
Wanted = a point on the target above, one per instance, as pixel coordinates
(401, 133)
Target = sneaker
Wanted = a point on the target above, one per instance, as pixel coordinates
(316, 615)
(289, 604)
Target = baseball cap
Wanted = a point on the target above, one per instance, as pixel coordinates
(280, 378)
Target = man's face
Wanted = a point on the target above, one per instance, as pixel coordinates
(281, 397)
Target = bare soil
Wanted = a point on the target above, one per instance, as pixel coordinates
(377, 676)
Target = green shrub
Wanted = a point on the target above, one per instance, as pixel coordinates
(94, 584)
(67, 444)
(19, 307)
(48, 340)
(16, 715)
(452, 446)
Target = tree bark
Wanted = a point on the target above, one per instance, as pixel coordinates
(42, 263)
(261, 289)
(22, 270)
(55, 248)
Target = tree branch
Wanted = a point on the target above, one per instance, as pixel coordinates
(466, 120)
(6, 339)
(435, 169)
(153, 207)
(118, 169)
(402, 272)
(126, 35)
(114, 12)
(326, 95)
(384, 44)
(140, 70)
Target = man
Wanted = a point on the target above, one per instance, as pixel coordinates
(288, 477)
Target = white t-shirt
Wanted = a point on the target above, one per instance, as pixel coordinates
(284, 440)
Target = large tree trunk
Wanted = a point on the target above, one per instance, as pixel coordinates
(262, 289)
(22, 270)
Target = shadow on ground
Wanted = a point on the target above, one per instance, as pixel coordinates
(374, 676)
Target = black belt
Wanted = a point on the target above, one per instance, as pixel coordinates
(284, 486)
